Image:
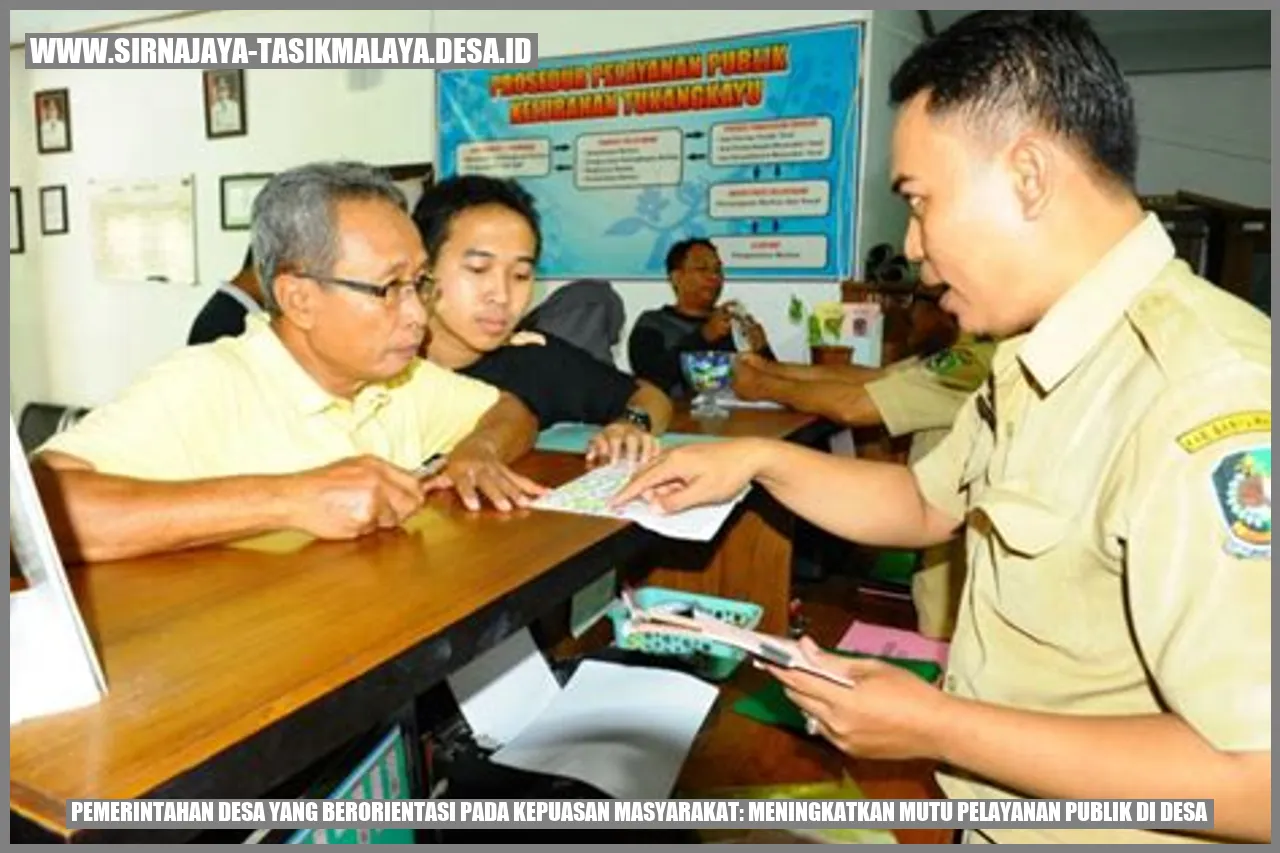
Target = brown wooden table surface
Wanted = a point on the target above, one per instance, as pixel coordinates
(206, 648)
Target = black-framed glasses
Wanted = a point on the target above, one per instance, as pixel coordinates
(422, 286)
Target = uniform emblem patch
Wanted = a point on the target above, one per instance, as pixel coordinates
(1242, 487)
(948, 361)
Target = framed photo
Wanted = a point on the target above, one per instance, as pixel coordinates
(53, 210)
(16, 243)
(237, 193)
(224, 113)
(53, 121)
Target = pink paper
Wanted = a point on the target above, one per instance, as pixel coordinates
(893, 643)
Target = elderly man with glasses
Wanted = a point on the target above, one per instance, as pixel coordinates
(320, 418)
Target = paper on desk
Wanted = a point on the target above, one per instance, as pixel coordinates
(624, 729)
(733, 401)
(504, 689)
(590, 494)
(36, 655)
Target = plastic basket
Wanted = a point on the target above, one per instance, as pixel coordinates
(714, 661)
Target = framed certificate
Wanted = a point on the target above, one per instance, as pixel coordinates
(53, 210)
(237, 193)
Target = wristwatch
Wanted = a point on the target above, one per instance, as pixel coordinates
(639, 417)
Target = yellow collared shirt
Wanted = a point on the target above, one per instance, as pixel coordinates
(244, 405)
(1116, 475)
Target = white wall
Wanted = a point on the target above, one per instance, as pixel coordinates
(1207, 132)
(87, 339)
(98, 336)
(28, 375)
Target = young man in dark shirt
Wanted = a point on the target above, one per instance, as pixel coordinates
(694, 323)
(482, 236)
(224, 314)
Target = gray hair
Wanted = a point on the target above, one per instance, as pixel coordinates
(293, 218)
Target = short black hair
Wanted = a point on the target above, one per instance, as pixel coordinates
(1049, 67)
(441, 202)
(677, 253)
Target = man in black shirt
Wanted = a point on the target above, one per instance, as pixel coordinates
(482, 236)
(224, 314)
(694, 323)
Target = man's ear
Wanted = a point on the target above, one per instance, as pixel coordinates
(298, 299)
(1032, 160)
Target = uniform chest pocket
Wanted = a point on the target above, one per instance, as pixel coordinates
(1036, 578)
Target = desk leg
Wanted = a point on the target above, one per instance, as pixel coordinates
(752, 563)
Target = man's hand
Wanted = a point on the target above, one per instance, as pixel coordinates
(749, 378)
(622, 442)
(474, 469)
(352, 497)
(719, 324)
(695, 475)
(889, 713)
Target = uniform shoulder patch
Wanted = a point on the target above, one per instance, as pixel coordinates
(1242, 492)
(1211, 432)
(948, 361)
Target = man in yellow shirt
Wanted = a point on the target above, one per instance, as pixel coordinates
(316, 420)
(1114, 639)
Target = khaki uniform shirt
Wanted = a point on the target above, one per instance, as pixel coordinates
(921, 397)
(1116, 480)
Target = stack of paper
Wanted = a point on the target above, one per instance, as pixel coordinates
(623, 729)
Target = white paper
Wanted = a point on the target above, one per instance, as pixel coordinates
(624, 729)
(144, 230)
(504, 689)
(43, 662)
(590, 494)
(733, 401)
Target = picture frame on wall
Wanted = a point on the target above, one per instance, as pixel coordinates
(53, 209)
(53, 121)
(236, 193)
(224, 107)
(17, 244)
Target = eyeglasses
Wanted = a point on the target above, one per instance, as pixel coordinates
(423, 287)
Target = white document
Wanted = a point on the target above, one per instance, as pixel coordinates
(590, 494)
(43, 661)
(733, 401)
(624, 729)
(504, 689)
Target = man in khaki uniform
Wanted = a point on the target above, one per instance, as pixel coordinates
(916, 396)
(922, 399)
(1114, 639)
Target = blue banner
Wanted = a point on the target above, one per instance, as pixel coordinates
(750, 141)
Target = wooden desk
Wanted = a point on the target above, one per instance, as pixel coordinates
(230, 671)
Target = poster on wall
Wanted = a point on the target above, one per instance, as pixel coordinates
(144, 230)
(751, 141)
